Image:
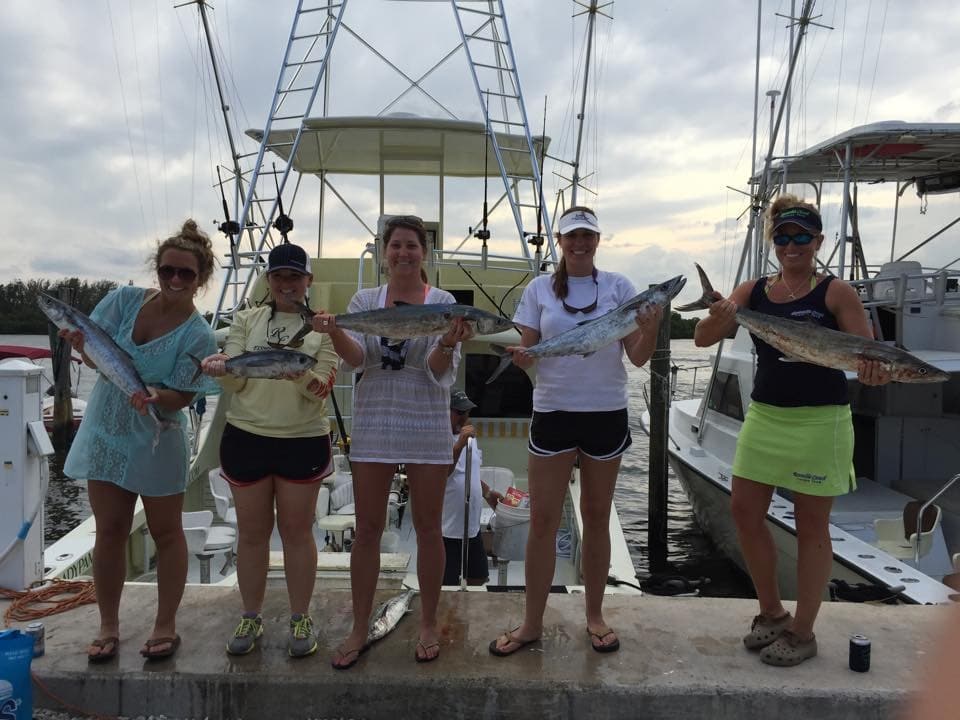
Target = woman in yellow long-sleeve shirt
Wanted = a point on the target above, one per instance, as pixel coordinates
(276, 448)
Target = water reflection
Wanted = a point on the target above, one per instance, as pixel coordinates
(66, 505)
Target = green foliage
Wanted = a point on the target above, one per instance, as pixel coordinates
(681, 328)
(20, 314)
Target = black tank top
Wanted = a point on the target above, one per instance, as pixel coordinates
(793, 384)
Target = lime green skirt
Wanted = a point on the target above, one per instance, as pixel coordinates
(804, 449)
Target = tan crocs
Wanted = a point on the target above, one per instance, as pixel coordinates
(789, 650)
(764, 631)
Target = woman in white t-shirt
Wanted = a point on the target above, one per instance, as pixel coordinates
(579, 412)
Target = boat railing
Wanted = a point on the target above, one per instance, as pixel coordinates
(922, 513)
(480, 261)
(938, 287)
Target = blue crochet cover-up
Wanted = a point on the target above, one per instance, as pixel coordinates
(114, 442)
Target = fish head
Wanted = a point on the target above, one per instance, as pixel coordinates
(672, 287)
(490, 324)
(56, 310)
(305, 361)
(917, 371)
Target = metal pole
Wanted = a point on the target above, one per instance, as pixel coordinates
(467, 482)
(845, 208)
(591, 21)
(659, 419)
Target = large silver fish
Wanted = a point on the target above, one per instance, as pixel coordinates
(803, 341)
(409, 321)
(112, 361)
(388, 615)
(591, 335)
(268, 364)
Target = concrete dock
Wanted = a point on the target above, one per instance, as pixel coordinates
(680, 658)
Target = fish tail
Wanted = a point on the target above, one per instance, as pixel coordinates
(706, 299)
(196, 361)
(161, 424)
(505, 359)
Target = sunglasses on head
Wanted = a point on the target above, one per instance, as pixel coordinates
(169, 272)
(798, 239)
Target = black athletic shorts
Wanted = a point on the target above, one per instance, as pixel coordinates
(601, 435)
(246, 457)
(476, 560)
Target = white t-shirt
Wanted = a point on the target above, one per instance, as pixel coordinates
(575, 383)
(453, 496)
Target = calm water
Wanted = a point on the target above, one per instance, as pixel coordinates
(690, 552)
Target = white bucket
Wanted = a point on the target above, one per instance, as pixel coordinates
(510, 529)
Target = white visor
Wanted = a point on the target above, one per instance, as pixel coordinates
(576, 220)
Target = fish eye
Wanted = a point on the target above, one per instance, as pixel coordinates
(923, 371)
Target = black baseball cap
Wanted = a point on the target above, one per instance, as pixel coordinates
(288, 257)
(460, 402)
(804, 217)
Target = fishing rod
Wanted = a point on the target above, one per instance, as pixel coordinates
(483, 233)
(228, 227)
(485, 293)
(345, 439)
(537, 239)
(283, 223)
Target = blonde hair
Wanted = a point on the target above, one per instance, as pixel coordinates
(560, 275)
(783, 202)
(193, 240)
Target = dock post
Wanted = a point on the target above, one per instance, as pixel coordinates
(657, 475)
(62, 431)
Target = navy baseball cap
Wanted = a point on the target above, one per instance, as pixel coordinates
(804, 217)
(288, 257)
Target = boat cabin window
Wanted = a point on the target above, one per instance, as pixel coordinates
(463, 297)
(509, 396)
(725, 395)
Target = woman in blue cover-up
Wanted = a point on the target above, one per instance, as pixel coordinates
(114, 447)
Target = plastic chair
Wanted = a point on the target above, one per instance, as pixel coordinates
(206, 540)
(887, 289)
(222, 497)
(898, 537)
(329, 518)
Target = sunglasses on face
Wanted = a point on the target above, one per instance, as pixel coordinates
(169, 272)
(799, 239)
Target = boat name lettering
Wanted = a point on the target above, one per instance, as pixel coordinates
(80, 567)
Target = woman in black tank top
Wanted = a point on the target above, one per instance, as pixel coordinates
(798, 433)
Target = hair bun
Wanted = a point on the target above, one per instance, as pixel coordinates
(191, 232)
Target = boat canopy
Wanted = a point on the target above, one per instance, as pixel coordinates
(882, 152)
(404, 145)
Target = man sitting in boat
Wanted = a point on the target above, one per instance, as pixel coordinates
(455, 501)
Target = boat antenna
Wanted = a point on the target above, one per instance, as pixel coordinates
(482, 232)
(283, 223)
(537, 239)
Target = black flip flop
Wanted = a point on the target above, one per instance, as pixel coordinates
(359, 651)
(148, 653)
(104, 656)
(499, 652)
(601, 648)
(426, 658)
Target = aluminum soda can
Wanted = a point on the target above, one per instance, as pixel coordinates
(36, 630)
(859, 653)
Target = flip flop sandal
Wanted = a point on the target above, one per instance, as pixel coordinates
(101, 643)
(359, 651)
(601, 648)
(426, 657)
(788, 650)
(520, 644)
(149, 653)
(764, 631)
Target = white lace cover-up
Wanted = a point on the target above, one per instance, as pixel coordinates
(401, 416)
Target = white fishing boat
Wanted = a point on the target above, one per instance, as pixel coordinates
(410, 162)
(899, 532)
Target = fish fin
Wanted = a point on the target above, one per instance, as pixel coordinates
(505, 359)
(196, 361)
(706, 299)
(587, 322)
(588, 354)
(399, 303)
(788, 359)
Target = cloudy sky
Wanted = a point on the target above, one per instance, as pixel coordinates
(112, 135)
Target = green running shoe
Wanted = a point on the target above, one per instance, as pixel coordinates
(301, 641)
(245, 636)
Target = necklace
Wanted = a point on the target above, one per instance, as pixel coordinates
(793, 292)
